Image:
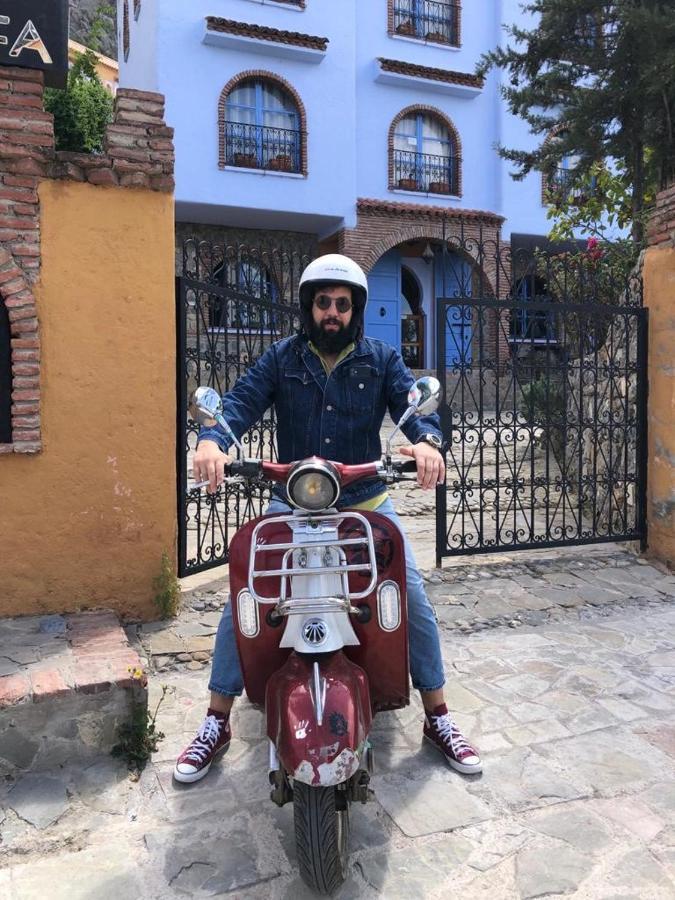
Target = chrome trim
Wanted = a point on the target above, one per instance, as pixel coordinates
(314, 632)
(319, 694)
(273, 758)
(308, 465)
(379, 599)
(330, 520)
(305, 606)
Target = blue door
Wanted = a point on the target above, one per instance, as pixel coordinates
(383, 312)
(458, 319)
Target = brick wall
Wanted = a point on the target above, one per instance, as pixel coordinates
(661, 226)
(138, 152)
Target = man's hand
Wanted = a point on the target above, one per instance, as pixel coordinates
(209, 464)
(430, 467)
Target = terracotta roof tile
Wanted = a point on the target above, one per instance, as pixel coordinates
(389, 207)
(432, 74)
(263, 33)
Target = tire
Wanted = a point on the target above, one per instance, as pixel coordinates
(321, 837)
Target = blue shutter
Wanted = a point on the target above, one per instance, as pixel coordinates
(457, 284)
(383, 312)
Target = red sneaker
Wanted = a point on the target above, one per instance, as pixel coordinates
(440, 729)
(195, 761)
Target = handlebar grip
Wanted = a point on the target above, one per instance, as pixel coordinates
(247, 468)
(407, 467)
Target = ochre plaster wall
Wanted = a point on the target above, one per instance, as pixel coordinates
(659, 288)
(84, 523)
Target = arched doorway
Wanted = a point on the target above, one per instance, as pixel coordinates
(412, 321)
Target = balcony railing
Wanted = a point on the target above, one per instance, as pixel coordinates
(262, 147)
(425, 172)
(563, 185)
(428, 20)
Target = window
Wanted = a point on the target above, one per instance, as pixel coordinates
(563, 185)
(427, 20)
(261, 128)
(536, 326)
(248, 302)
(424, 155)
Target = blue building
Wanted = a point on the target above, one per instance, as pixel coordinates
(341, 125)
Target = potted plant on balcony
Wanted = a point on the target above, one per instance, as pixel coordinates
(409, 182)
(247, 160)
(282, 162)
(438, 37)
(439, 187)
(407, 27)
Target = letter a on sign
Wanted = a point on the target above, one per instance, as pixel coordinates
(29, 39)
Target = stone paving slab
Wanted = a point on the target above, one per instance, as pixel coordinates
(577, 797)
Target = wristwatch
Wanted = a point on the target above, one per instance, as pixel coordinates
(432, 439)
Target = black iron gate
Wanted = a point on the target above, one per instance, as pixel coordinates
(233, 303)
(543, 357)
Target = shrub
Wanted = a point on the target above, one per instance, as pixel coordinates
(81, 111)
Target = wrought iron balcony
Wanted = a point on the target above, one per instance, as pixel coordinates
(262, 147)
(564, 185)
(428, 20)
(425, 172)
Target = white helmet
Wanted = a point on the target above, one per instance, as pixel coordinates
(334, 268)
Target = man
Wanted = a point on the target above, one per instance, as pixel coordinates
(330, 387)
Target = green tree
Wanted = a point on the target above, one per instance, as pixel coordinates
(600, 78)
(81, 111)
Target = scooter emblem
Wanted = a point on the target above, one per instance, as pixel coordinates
(314, 632)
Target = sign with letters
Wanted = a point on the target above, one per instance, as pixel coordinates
(34, 35)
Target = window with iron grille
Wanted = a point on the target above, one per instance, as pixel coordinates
(563, 184)
(262, 127)
(424, 155)
(428, 20)
(254, 292)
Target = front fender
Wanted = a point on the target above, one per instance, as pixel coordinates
(329, 753)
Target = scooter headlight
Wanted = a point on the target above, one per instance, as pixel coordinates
(313, 485)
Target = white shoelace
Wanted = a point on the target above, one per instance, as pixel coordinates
(446, 728)
(207, 736)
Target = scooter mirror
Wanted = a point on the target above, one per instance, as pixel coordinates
(423, 398)
(425, 395)
(205, 406)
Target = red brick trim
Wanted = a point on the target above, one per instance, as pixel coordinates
(138, 153)
(260, 74)
(264, 33)
(447, 76)
(439, 114)
(661, 224)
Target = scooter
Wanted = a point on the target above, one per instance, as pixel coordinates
(319, 607)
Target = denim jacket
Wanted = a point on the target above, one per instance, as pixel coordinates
(336, 416)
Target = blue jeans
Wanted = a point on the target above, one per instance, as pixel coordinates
(426, 663)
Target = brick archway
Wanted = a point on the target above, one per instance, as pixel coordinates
(18, 299)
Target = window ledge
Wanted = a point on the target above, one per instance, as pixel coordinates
(245, 44)
(426, 194)
(398, 79)
(296, 7)
(256, 171)
(420, 40)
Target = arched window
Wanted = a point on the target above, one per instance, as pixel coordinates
(430, 20)
(424, 155)
(262, 128)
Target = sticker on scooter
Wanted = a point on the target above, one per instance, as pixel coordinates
(337, 724)
(301, 731)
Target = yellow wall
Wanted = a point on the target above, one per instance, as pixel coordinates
(84, 523)
(659, 288)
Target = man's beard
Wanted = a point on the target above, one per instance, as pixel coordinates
(331, 341)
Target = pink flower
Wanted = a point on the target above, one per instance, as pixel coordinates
(593, 249)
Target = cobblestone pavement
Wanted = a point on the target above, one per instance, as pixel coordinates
(560, 667)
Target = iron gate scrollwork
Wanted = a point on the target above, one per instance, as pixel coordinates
(233, 303)
(543, 356)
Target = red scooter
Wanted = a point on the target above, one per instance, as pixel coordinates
(319, 606)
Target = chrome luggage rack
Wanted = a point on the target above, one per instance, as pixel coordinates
(286, 604)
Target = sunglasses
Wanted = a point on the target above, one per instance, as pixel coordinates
(342, 304)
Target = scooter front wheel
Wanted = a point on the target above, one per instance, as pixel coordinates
(321, 836)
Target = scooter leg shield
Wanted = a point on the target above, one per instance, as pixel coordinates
(319, 740)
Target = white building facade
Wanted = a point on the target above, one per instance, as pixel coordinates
(350, 125)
